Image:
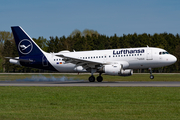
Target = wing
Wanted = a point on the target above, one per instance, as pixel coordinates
(86, 64)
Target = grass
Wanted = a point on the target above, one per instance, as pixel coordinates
(135, 77)
(90, 103)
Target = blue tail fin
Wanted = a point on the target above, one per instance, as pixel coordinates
(25, 45)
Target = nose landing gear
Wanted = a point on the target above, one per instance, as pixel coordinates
(151, 76)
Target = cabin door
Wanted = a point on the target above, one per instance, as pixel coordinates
(149, 54)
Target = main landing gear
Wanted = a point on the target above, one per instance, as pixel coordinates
(151, 76)
(100, 78)
(92, 78)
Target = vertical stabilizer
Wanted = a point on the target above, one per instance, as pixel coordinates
(25, 45)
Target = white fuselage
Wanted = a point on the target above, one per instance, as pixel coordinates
(131, 58)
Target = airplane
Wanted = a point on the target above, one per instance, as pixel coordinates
(119, 62)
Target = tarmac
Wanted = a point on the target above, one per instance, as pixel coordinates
(90, 84)
(64, 83)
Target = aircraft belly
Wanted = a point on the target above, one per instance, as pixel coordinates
(145, 64)
(137, 64)
(65, 68)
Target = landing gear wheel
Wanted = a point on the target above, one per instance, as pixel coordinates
(91, 78)
(151, 76)
(99, 78)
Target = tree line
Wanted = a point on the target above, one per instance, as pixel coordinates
(91, 40)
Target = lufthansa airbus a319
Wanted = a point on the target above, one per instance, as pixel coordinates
(120, 62)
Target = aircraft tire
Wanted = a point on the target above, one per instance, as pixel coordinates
(99, 78)
(91, 78)
(151, 76)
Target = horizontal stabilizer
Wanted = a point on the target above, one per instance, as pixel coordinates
(20, 60)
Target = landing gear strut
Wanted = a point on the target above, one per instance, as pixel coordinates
(92, 78)
(151, 76)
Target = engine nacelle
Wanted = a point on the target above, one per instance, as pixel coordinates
(117, 69)
(127, 72)
(16, 62)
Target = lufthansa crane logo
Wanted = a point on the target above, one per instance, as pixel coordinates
(25, 46)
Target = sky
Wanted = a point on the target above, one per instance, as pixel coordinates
(60, 17)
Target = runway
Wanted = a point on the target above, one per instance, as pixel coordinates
(89, 84)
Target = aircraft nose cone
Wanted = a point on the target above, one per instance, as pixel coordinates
(172, 59)
(175, 59)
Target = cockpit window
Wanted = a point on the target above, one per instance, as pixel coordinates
(162, 53)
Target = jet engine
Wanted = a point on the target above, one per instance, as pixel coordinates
(117, 69)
